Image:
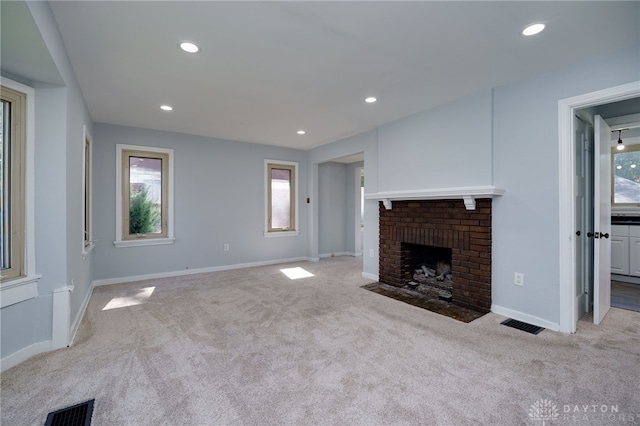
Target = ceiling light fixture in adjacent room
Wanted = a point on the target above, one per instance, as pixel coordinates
(370, 100)
(533, 29)
(301, 132)
(620, 145)
(166, 108)
(189, 47)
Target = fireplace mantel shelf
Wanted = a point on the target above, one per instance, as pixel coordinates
(468, 194)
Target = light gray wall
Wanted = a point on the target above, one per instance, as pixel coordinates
(219, 198)
(30, 322)
(76, 116)
(332, 208)
(60, 114)
(525, 219)
(447, 146)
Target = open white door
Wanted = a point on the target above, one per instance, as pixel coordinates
(584, 219)
(602, 220)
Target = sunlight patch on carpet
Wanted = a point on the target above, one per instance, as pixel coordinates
(136, 299)
(296, 273)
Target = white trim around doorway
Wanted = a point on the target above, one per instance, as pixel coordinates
(566, 111)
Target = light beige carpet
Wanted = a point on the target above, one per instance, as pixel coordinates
(253, 347)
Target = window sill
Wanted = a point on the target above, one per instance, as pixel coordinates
(19, 290)
(275, 234)
(144, 242)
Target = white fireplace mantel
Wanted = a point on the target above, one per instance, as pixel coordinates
(469, 194)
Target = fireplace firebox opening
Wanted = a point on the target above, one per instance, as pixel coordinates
(427, 269)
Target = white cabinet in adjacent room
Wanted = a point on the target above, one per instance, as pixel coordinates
(634, 250)
(620, 249)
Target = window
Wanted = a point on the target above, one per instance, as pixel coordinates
(12, 177)
(626, 176)
(145, 194)
(281, 198)
(86, 194)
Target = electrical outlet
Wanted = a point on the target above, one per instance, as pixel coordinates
(518, 279)
(226, 246)
(371, 253)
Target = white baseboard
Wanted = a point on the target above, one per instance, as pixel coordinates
(341, 253)
(24, 354)
(129, 279)
(369, 276)
(521, 316)
(78, 319)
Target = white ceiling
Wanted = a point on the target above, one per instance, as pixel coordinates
(268, 69)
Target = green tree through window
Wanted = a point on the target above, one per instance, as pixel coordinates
(144, 216)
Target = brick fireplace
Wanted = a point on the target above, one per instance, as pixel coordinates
(440, 224)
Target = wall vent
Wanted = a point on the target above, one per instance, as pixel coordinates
(529, 328)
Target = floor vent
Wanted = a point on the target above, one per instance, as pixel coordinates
(529, 328)
(78, 415)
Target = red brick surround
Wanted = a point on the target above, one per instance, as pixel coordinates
(441, 223)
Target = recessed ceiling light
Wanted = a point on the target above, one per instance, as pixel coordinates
(166, 108)
(533, 29)
(301, 132)
(189, 47)
(370, 100)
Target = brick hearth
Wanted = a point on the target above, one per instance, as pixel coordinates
(441, 223)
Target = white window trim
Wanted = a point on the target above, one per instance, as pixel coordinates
(621, 207)
(276, 234)
(25, 288)
(86, 249)
(120, 242)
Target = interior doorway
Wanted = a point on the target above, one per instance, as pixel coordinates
(620, 276)
(571, 284)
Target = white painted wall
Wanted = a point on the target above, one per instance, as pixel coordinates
(447, 146)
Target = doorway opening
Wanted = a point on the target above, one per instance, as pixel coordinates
(567, 109)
